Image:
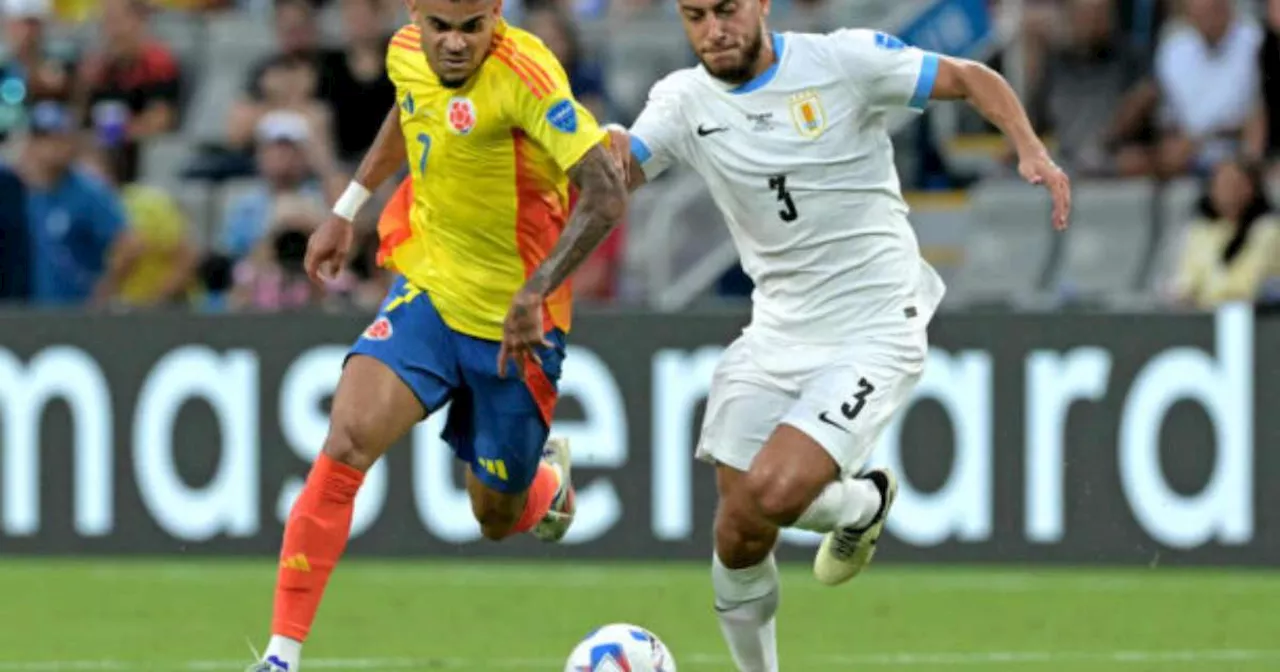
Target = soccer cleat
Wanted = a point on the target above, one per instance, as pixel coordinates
(557, 521)
(271, 664)
(846, 552)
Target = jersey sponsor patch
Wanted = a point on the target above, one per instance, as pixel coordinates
(887, 41)
(462, 115)
(380, 330)
(563, 117)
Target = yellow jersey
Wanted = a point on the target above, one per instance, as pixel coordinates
(488, 163)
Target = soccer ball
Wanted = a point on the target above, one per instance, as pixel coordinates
(620, 647)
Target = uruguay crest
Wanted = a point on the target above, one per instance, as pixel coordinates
(807, 113)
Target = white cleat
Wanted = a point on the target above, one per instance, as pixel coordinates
(557, 521)
(271, 664)
(846, 552)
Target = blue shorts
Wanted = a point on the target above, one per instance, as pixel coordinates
(496, 425)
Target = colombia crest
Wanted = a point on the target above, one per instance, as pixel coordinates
(461, 114)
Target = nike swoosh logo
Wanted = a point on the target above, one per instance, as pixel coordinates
(704, 132)
(823, 417)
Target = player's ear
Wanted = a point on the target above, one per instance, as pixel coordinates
(764, 12)
(497, 9)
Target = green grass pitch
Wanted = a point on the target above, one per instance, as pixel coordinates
(197, 614)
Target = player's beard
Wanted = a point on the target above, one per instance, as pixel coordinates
(741, 73)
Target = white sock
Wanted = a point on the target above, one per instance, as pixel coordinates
(285, 650)
(849, 502)
(746, 601)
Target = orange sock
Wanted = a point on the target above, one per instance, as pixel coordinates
(541, 493)
(314, 539)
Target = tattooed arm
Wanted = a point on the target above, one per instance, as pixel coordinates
(602, 203)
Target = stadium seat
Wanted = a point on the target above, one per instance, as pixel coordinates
(1009, 244)
(1177, 210)
(639, 55)
(1109, 242)
(163, 160)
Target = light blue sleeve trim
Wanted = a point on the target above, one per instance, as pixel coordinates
(640, 151)
(763, 79)
(924, 85)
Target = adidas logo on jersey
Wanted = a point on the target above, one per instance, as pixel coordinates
(297, 562)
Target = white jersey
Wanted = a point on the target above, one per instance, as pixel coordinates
(800, 163)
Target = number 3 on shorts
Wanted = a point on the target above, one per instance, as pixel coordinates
(851, 410)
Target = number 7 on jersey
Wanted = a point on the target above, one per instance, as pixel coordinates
(426, 150)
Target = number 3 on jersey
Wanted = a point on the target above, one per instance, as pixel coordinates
(788, 213)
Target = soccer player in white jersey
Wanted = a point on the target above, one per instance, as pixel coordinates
(789, 132)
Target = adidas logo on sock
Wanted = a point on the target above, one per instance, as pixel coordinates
(297, 562)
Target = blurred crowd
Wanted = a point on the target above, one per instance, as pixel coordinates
(1144, 88)
(1123, 88)
(81, 228)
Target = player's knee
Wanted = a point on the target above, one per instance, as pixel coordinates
(496, 512)
(742, 537)
(496, 522)
(778, 497)
(347, 444)
(740, 544)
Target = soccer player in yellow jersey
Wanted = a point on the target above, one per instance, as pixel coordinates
(494, 141)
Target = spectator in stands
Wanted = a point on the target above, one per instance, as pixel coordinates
(15, 246)
(315, 78)
(1208, 76)
(80, 247)
(288, 165)
(272, 278)
(359, 73)
(1233, 245)
(297, 34)
(32, 67)
(367, 283)
(130, 88)
(1095, 96)
(44, 67)
(75, 11)
(1266, 143)
(164, 270)
(555, 27)
(215, 283)
(287, 84)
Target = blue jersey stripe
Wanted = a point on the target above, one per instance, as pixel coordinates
(924, 85)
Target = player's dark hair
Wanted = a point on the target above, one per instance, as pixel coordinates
(1258, 206)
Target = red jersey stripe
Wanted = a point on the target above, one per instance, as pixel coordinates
(540, 217)
(537, 71)
(528, 82)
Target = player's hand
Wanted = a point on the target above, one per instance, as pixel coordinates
(620, 147)
(522, 333)
(1041, 170)
(327, 249)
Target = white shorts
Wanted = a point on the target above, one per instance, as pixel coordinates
(842, 396)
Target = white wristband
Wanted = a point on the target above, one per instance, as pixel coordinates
(351, 201)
